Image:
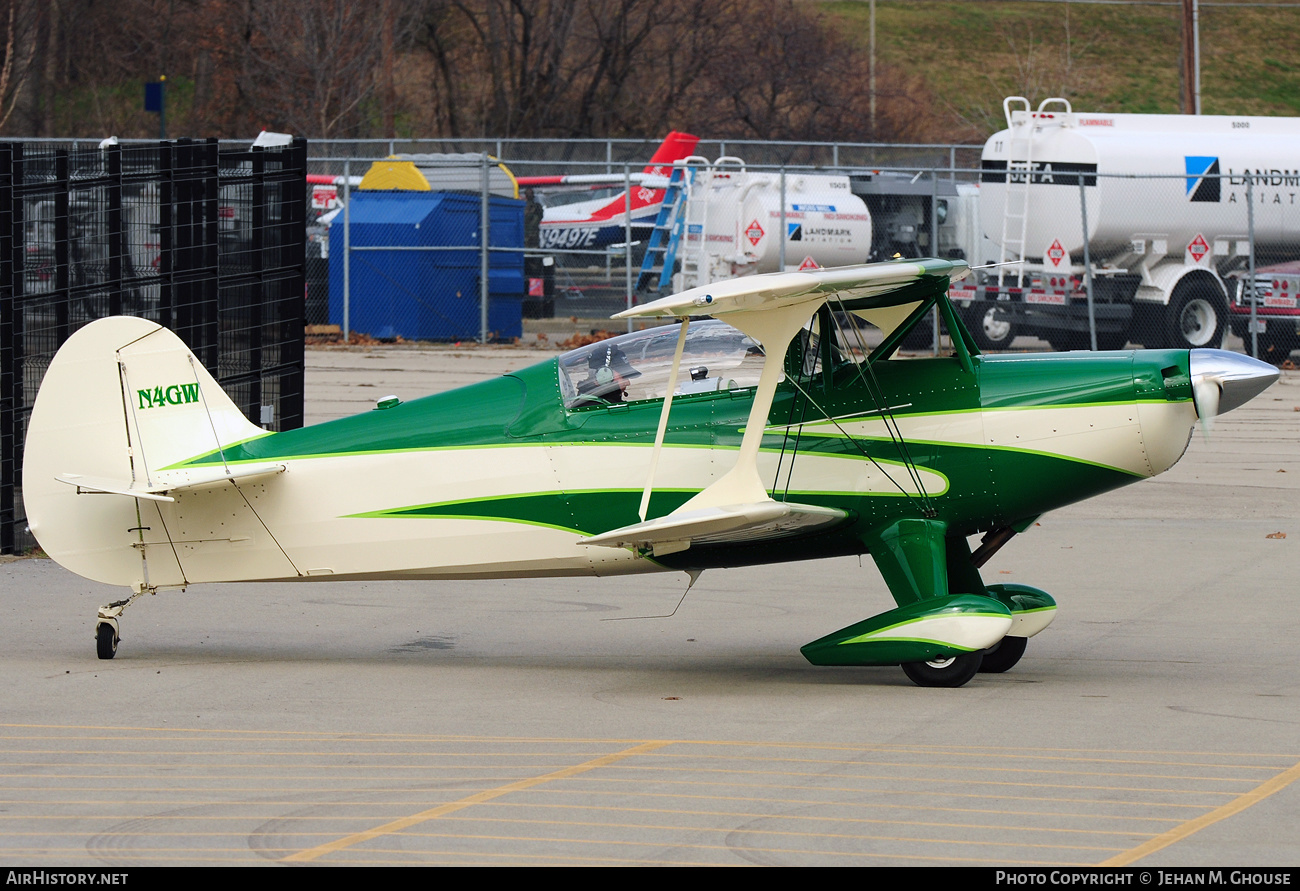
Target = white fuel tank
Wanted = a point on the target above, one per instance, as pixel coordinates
(1201, 163)
(734, 223)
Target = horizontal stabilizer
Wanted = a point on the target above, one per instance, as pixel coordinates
(738, 523)
(170, 480)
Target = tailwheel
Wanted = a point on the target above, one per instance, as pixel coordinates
(106, 640)
(945, 671)
(1004, 654)
(107, 633)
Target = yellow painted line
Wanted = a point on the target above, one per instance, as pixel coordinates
(804, 802)
(724, 848)
(1191, 827)
(982, 755)
(478, 798)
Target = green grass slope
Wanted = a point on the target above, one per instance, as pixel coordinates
(1124, 57)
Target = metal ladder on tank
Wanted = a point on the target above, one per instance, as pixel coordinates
(1020, 175)
(696, 268)
(695, 222)
(1015, 204)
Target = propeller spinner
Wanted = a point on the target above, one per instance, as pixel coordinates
(1222, 380)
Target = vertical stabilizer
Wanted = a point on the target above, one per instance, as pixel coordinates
(122, 400)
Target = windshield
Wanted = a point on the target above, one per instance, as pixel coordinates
(636, 367)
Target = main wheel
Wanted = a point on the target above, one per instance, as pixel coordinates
(1196, 316)
(1003, 655)
(1276, 347)
(105, 641)
(952, 671)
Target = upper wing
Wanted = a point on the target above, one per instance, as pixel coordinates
(862, 289)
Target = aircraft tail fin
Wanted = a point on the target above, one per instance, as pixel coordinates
(123, 402)
(676, 145)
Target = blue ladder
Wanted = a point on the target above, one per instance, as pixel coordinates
(660, 257)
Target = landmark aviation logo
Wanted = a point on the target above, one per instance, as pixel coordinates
(1202, 178)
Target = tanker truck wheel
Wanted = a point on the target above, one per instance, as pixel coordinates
(1276, 347)
(991, 327)
(1196, 315)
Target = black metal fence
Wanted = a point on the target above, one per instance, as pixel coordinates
(204, 240)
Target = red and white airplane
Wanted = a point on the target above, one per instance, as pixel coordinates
(597, 222)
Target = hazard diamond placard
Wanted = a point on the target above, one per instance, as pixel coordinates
(808, 263)
(754, 232)
(1198, 248)
(1056, 253)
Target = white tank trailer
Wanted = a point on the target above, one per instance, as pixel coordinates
(733, 223)
(1168, 224)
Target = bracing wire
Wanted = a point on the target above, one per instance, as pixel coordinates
(891, 423)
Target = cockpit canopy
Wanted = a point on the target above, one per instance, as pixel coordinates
(636, 367)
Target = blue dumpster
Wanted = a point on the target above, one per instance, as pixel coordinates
(428, 295)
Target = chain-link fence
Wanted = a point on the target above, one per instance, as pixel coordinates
(204, 240)
(1075, 259)
(581, 238)
(393, 251)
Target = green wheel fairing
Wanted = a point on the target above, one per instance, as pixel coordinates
(951, 626)
(1032, 609)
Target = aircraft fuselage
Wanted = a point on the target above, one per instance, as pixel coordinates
(500, 480)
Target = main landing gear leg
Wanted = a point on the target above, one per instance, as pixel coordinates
(936, 636)
(1032, 610)
(940, 639)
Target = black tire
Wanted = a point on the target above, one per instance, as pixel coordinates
(1276, 347)
(105, 641)
(1003, 655)
(1196, 316)
(951, 672)
(991, 327)
(1114, 340)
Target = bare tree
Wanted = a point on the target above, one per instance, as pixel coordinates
(1039, 69)
(507, 68)
(312, 64)
(19, 51)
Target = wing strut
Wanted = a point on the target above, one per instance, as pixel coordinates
(663, 418)
(773, 328)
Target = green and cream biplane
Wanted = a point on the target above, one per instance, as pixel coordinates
(759, 429)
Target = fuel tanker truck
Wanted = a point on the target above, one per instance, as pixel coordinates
(721, 220)
(1153, 213)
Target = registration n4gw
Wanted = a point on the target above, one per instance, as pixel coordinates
(759, 428)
